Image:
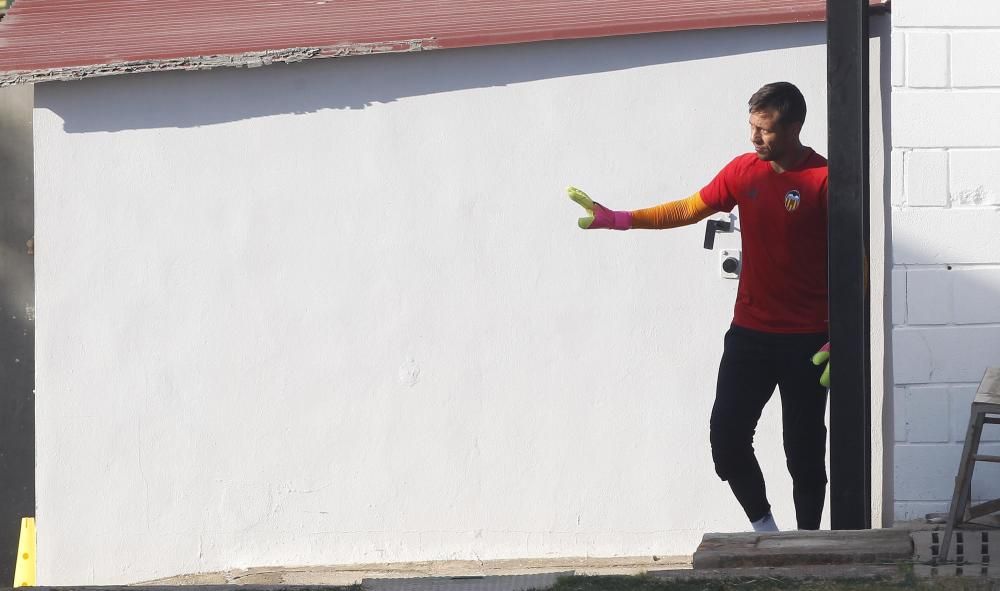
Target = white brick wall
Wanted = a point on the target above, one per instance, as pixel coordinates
(928, 295)
(943, 118)
(946, 241)
(974, 295)
(974, 175)
(936, 354)
(925, 411)
(938, 235)
(935, 13)
(927, 59)
(925, 174)
(968, 68)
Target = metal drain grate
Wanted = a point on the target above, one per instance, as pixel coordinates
(973, 553)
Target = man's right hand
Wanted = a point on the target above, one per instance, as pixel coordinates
(599, 216)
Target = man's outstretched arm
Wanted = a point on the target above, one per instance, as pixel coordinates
(667, 215)
(672, 214)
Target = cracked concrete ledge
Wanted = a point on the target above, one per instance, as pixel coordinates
(354, 573)
(823, 572)
(799, 548)
(206, 62)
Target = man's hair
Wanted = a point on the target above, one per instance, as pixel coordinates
(784, 98)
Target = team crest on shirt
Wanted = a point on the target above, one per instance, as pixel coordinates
(792, 200)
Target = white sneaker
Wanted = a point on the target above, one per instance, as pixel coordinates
(765, 523)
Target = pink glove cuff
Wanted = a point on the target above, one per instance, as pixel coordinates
(607, 218)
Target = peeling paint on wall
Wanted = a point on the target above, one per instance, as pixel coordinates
(208, 62)
(975, 196)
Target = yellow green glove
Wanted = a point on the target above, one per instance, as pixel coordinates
(599, 216)
(823, 356)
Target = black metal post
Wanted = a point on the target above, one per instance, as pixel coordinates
(17, 324)
(850, 394)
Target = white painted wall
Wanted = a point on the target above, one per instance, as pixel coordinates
(945, 220)
(340, 311)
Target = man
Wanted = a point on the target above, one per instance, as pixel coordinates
(780, 317)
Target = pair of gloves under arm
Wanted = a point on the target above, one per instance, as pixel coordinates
(668, 215)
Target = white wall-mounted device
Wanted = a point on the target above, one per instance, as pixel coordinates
(730, 263)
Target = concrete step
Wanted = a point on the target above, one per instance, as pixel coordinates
(749, 549)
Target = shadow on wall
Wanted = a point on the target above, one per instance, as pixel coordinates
(881, 28)
(358, 82)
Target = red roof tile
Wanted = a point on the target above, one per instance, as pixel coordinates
(65, 39)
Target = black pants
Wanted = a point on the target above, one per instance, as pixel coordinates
(753, 363)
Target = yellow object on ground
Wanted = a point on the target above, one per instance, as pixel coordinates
(24, 571)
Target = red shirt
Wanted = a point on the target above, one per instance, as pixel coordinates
(783, 224)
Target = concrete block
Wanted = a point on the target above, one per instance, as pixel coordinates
(972, 121)
(926, 178)
(898, 58)
(896, 186)
(926, 236)
(925, 472)
(932, 13)
(944, 354)
(927, 414)
(960, 407)
(927, 59)
(928, 295)
(911, 356)
(974, 177)
(976, 295)
(898, 296)
(751, 549)
(899, 414)
(973, 58)
(980, 554)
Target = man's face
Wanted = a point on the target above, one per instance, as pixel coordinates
(772, 139)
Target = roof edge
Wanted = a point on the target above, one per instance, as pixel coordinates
(298, 54)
